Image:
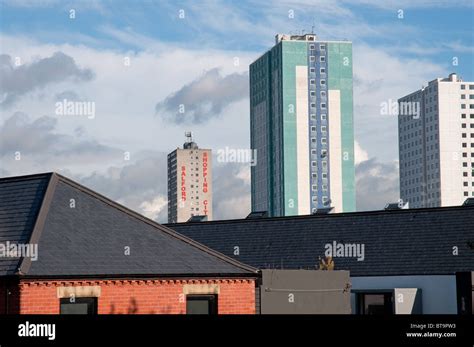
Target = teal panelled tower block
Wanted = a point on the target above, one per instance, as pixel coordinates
(301, 120)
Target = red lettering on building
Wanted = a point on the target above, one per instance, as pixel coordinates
(183, 183)
(204, 172)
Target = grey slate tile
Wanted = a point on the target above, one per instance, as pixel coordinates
(404, 242)
(90, 239)
(20, 201)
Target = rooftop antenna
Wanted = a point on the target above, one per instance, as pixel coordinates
(312, 27)
(189, 136)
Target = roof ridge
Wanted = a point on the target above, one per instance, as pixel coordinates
(25, 263)
(331, 215)
(154, 224)
(26, 177)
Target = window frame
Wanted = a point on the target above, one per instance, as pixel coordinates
(92, 304)
(360, 301)
(212, 300)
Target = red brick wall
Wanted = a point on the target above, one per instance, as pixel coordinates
(236, 296)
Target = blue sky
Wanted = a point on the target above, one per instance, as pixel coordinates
(435, 27)
(192, 60)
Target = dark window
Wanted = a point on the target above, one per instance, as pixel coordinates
(465, 292)
(201, 304)
(78, 306)
(375, 303)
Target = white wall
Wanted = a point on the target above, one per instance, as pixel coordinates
(335, 150)
(438, 293)
(450, 143)
(302, 140)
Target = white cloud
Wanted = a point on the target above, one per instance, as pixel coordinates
(360, 154)
(19, 80)
(33, 145)
(244, 174)
(377, 184)
(29, 3)
(126, 97)
(231, 191)
(95, 5)
(154, 208)
(409, 4)
(204, 98)
(460, 47)
(381, 76)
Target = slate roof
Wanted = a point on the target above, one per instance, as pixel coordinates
(93, 237)
(20, 201)
(396, 242)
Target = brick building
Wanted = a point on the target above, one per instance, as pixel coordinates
(93, 255)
